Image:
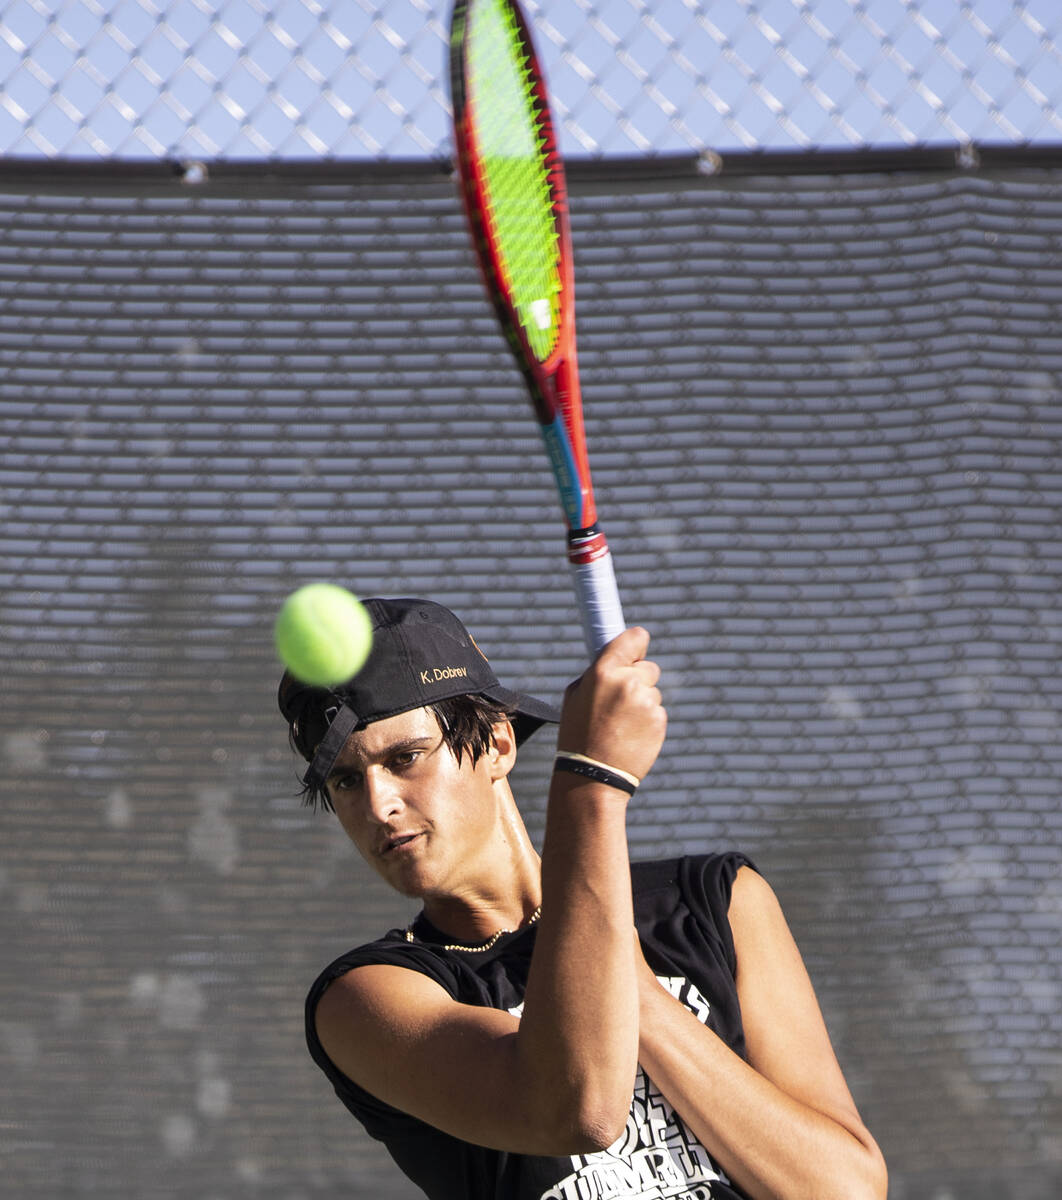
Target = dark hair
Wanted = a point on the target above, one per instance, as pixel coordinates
(467, 724)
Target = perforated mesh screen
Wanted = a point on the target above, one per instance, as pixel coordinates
(825, 427)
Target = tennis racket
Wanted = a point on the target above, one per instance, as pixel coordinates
(512, 182)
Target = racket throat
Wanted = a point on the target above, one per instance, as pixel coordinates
(573, 483)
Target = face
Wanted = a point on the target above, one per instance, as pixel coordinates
(423, 820)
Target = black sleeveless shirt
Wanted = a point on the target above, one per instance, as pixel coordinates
(680, 908)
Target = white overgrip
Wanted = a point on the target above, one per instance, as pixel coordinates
(597, 596)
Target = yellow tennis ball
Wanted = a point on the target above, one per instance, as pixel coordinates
(323, 634)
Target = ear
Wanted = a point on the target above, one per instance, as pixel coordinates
(502, 753)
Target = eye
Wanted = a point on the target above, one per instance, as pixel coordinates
(406, 758)
(345, 782)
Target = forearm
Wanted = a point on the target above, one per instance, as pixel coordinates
(579, 1030)
(578, 1037)
(772, 1145)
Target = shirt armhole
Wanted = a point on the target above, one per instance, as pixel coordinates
(707, 883)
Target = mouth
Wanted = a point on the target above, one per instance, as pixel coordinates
(400, 842)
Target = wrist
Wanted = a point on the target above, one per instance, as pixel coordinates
(581, 765)
(583, 806)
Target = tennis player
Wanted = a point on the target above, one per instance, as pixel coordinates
(518, 1040)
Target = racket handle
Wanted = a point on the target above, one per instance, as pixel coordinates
(595, 588)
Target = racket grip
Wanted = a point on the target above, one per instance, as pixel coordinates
(595, 588)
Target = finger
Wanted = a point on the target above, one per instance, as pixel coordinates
(648, 671)
(627, 647)
(650, 703)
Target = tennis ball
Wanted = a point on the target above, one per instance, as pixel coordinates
(323, 634)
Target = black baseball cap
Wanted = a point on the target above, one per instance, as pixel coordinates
(420, 653)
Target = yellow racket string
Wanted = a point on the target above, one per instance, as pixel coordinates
(502, 105)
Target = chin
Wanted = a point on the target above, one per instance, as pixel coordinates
(409, 880)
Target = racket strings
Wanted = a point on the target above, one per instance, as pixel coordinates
(514, 149)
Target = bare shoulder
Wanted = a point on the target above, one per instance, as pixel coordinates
(751, 891)
(755, 912)
(771, 975)
(366, 1002)
(378, 1015)
(402, 1037)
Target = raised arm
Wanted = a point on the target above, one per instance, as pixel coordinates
(581, 1011)
(783, 1124)
(558, 1080)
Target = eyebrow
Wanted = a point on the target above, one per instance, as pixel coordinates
(417, 742)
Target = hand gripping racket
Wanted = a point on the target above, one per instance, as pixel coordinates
(512, 181)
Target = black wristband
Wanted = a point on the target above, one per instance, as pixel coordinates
(599, 774)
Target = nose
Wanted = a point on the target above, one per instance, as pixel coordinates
(383, 798)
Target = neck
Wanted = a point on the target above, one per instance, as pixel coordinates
(474, 923)
(501, 893)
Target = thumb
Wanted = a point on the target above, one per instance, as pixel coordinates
(626, 648)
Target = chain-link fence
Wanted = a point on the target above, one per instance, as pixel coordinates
(356, 79)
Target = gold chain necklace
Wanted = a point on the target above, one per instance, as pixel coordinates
(412, 937)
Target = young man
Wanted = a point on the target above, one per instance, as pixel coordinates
(519, 1041)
